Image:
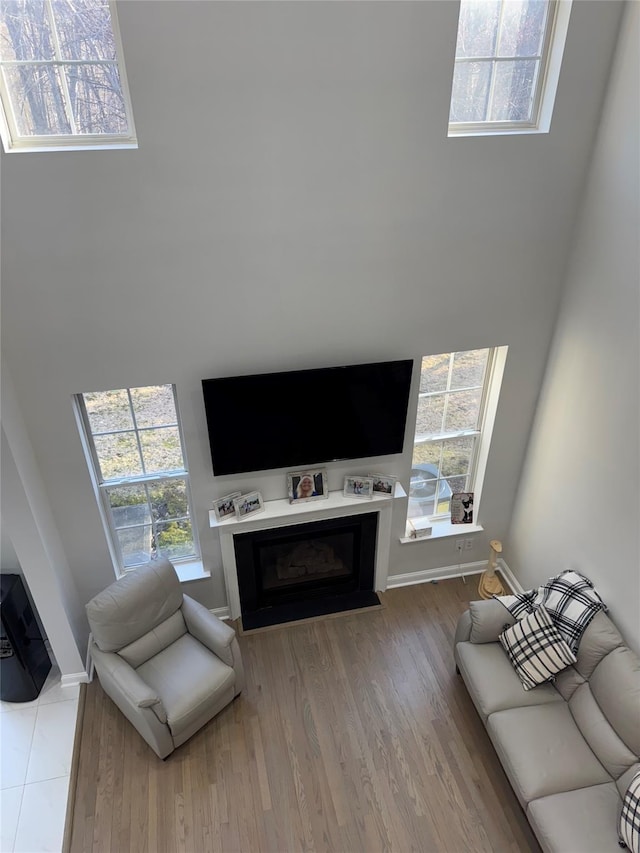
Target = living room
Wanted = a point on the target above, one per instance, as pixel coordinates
(295, 202)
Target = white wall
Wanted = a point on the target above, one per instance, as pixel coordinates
(295, 202)
(578, 504)
(9, 563)
(34, 536)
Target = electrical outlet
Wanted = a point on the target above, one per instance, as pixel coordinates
(468, 544)
(459, 545)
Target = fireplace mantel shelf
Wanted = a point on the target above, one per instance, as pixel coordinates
(283, 512)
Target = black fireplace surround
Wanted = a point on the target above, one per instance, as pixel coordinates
(302, 570)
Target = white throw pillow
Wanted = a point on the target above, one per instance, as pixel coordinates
(629, 828)
(536, 648)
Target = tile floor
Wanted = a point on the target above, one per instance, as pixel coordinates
(36, 743)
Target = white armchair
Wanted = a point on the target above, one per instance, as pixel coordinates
(166, 661)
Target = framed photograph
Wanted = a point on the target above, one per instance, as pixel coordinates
(383, 484)
(224, 508)
(307, 485)
(248, 504)
(462, 508)
(358, 487)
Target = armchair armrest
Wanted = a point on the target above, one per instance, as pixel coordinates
(208, 629)
(126, 680)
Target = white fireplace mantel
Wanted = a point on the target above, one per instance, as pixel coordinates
(281, 513)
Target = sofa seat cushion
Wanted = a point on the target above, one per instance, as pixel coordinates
(583, 820)
(493, 683)
(189, 679)
(543, 752)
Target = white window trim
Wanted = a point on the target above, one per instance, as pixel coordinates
(190, 568)
(441, 526)
(555, 38)
(15, 143)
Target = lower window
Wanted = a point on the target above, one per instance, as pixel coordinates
(134, 447)
(457, 399)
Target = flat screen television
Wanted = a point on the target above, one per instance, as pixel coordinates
(304, 417)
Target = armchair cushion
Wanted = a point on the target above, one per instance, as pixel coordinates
(189, 680)
(134, 605)
(154, 641)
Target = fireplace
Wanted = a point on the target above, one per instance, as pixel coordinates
(297, 571)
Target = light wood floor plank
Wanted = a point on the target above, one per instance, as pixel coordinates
(353, 735)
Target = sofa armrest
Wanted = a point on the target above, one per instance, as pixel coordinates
(489, 618)
(208, 629)
(126, 680)
(463, 629)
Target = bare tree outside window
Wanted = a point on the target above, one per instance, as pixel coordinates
(60, 70)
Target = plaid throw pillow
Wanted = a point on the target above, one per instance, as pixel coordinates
(630, 816)
(569, 598)
(536, 648)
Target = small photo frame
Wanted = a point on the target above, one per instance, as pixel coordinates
(462, 508)
(224, 507)
(248, 504)
(308, 485)
(383, 485)
(358, 487)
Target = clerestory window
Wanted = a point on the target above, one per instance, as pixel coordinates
(457, 402)
(134, 445)
(62, 79)
(507, 64)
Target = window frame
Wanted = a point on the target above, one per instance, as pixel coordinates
(441, 522)
(16, 142)
(554, 39)
(101, 486)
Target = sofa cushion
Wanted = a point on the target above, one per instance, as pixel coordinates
(598, 732)
(582, 820)
(492, 682)
(600, 637)
(188, 678)
(536, 648)
(615, 684)
(630, 816)
(543, 752)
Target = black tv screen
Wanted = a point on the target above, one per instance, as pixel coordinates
(304, 417)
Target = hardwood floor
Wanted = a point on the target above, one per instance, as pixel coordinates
(353, 735)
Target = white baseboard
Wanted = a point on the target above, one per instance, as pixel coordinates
(73, 678)
(508, 575)
(445, 572)
(427, 575)
(220, 612)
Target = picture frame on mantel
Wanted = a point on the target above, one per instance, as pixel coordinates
(383, 485)
(248, 504)
(358, 487)
(224, 507)
(308, 485)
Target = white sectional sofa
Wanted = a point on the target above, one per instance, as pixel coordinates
(569, 748)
